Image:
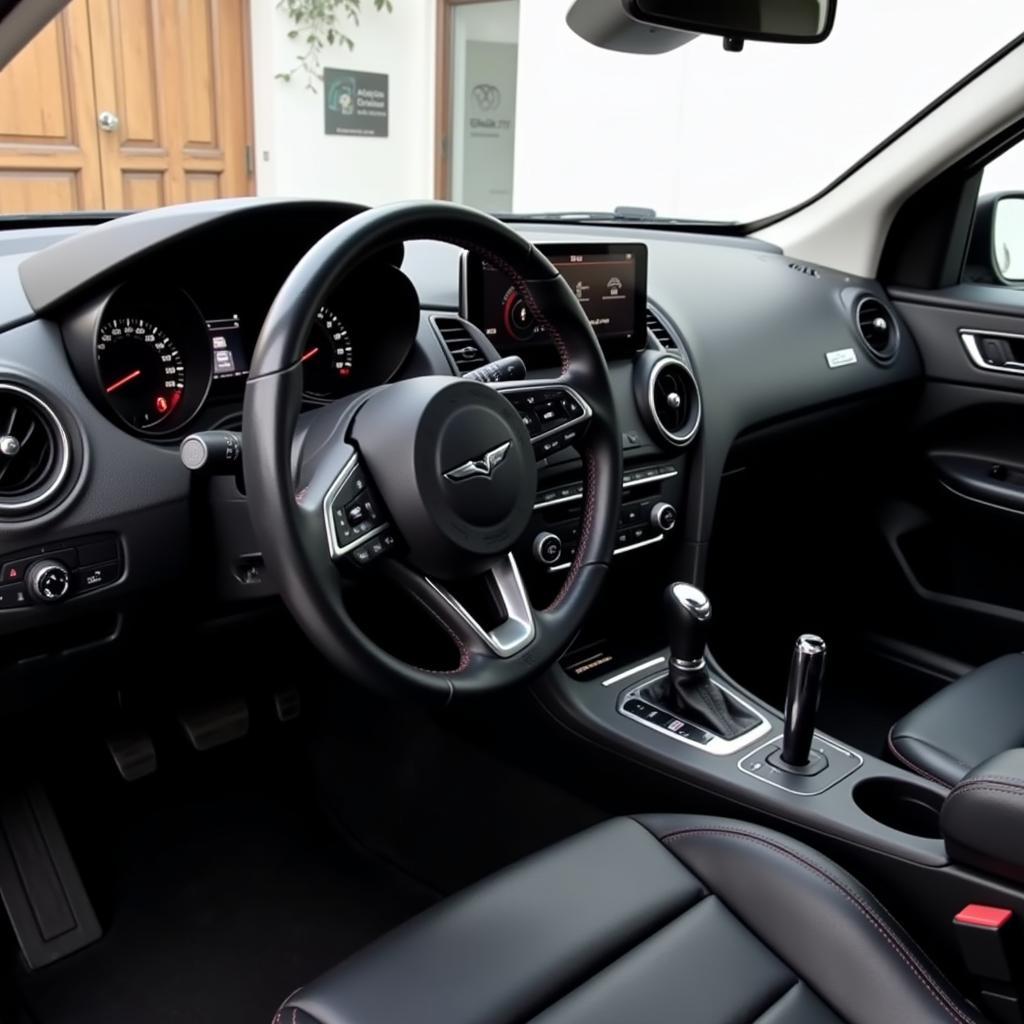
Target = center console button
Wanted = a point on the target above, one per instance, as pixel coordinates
(547, 548)
(663, 516)
(96, 576)
(13, 595)
(48, 580)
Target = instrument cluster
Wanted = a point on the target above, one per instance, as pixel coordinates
(153, 355)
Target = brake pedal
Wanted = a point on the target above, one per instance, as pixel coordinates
(217, 724)
(287, 705)
(134, 754)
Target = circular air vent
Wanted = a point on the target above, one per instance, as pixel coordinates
(674, 401)
(877, 328)
(34, 451)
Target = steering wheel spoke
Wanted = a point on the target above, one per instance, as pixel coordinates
(554, 413)
(502, 630)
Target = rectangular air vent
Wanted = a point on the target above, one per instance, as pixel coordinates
(661, 333)
(461, 346)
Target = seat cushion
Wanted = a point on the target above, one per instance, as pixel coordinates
(971, 720)
(645, 920)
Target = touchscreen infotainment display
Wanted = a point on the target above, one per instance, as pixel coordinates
(609, 280)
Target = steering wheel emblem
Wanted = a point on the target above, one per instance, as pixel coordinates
(483, 466)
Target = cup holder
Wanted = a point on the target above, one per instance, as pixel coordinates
(900, 805)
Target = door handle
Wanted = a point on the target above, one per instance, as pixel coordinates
(998, 484)
(108, 121)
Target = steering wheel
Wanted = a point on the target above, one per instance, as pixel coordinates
(430, 479)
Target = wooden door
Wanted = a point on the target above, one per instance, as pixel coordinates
(173, 74)
(159, 90)
(49, 151)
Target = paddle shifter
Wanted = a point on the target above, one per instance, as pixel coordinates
(695, 696)
(806, 672)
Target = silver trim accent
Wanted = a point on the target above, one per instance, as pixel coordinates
(969, 338)
(518, 629)
(332, 541)
(679, 440)
(653, 663)
(562, 566)
(626, 485)
(786, 789)
(698, 665)
(483, 466)
(503, 387)
(64, 459)
(718, 747)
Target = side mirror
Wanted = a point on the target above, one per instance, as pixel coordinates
(996, 253)
(654, 26)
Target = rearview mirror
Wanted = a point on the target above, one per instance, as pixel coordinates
(780, 21)
(654, 26)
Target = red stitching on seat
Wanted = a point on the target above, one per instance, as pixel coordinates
(907, 763)
(933, 987)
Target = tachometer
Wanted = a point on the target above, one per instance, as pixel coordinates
(327, 361)
(141, 370)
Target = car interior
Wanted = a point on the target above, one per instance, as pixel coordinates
(410, 614)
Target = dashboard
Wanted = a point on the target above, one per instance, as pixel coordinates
(119, 340)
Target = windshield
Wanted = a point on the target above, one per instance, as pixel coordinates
(128, 104)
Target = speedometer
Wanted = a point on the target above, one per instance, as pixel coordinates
(141, 370)
(327, 361)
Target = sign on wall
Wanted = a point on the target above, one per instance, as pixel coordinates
(489, 129)
(355, 103)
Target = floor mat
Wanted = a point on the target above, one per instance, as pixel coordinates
(217, 902)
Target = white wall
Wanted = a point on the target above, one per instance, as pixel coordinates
(483, 23)
(293, 154)
(701, 132)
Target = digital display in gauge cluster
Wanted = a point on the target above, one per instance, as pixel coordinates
(230, 348)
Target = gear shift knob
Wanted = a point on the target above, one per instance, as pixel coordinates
(806, 672)
(689, 617)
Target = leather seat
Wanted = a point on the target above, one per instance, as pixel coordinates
(643, 921)
(971, 720)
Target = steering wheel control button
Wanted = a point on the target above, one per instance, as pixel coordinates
(553, 416)
(49, 581)
(664, 517)
(547, 548)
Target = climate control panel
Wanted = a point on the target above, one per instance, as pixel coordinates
(646, 516)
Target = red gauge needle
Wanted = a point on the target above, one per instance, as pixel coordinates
(124, 380)
(309, 355)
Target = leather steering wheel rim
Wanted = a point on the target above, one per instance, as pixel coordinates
(309, 582)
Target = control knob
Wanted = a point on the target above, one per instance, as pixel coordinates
(664, 516)
(547, 548)
(48, 581)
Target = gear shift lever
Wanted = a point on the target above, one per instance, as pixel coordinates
(695, 696)
(806, 672)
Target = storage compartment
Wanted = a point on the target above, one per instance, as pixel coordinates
(903, 806)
